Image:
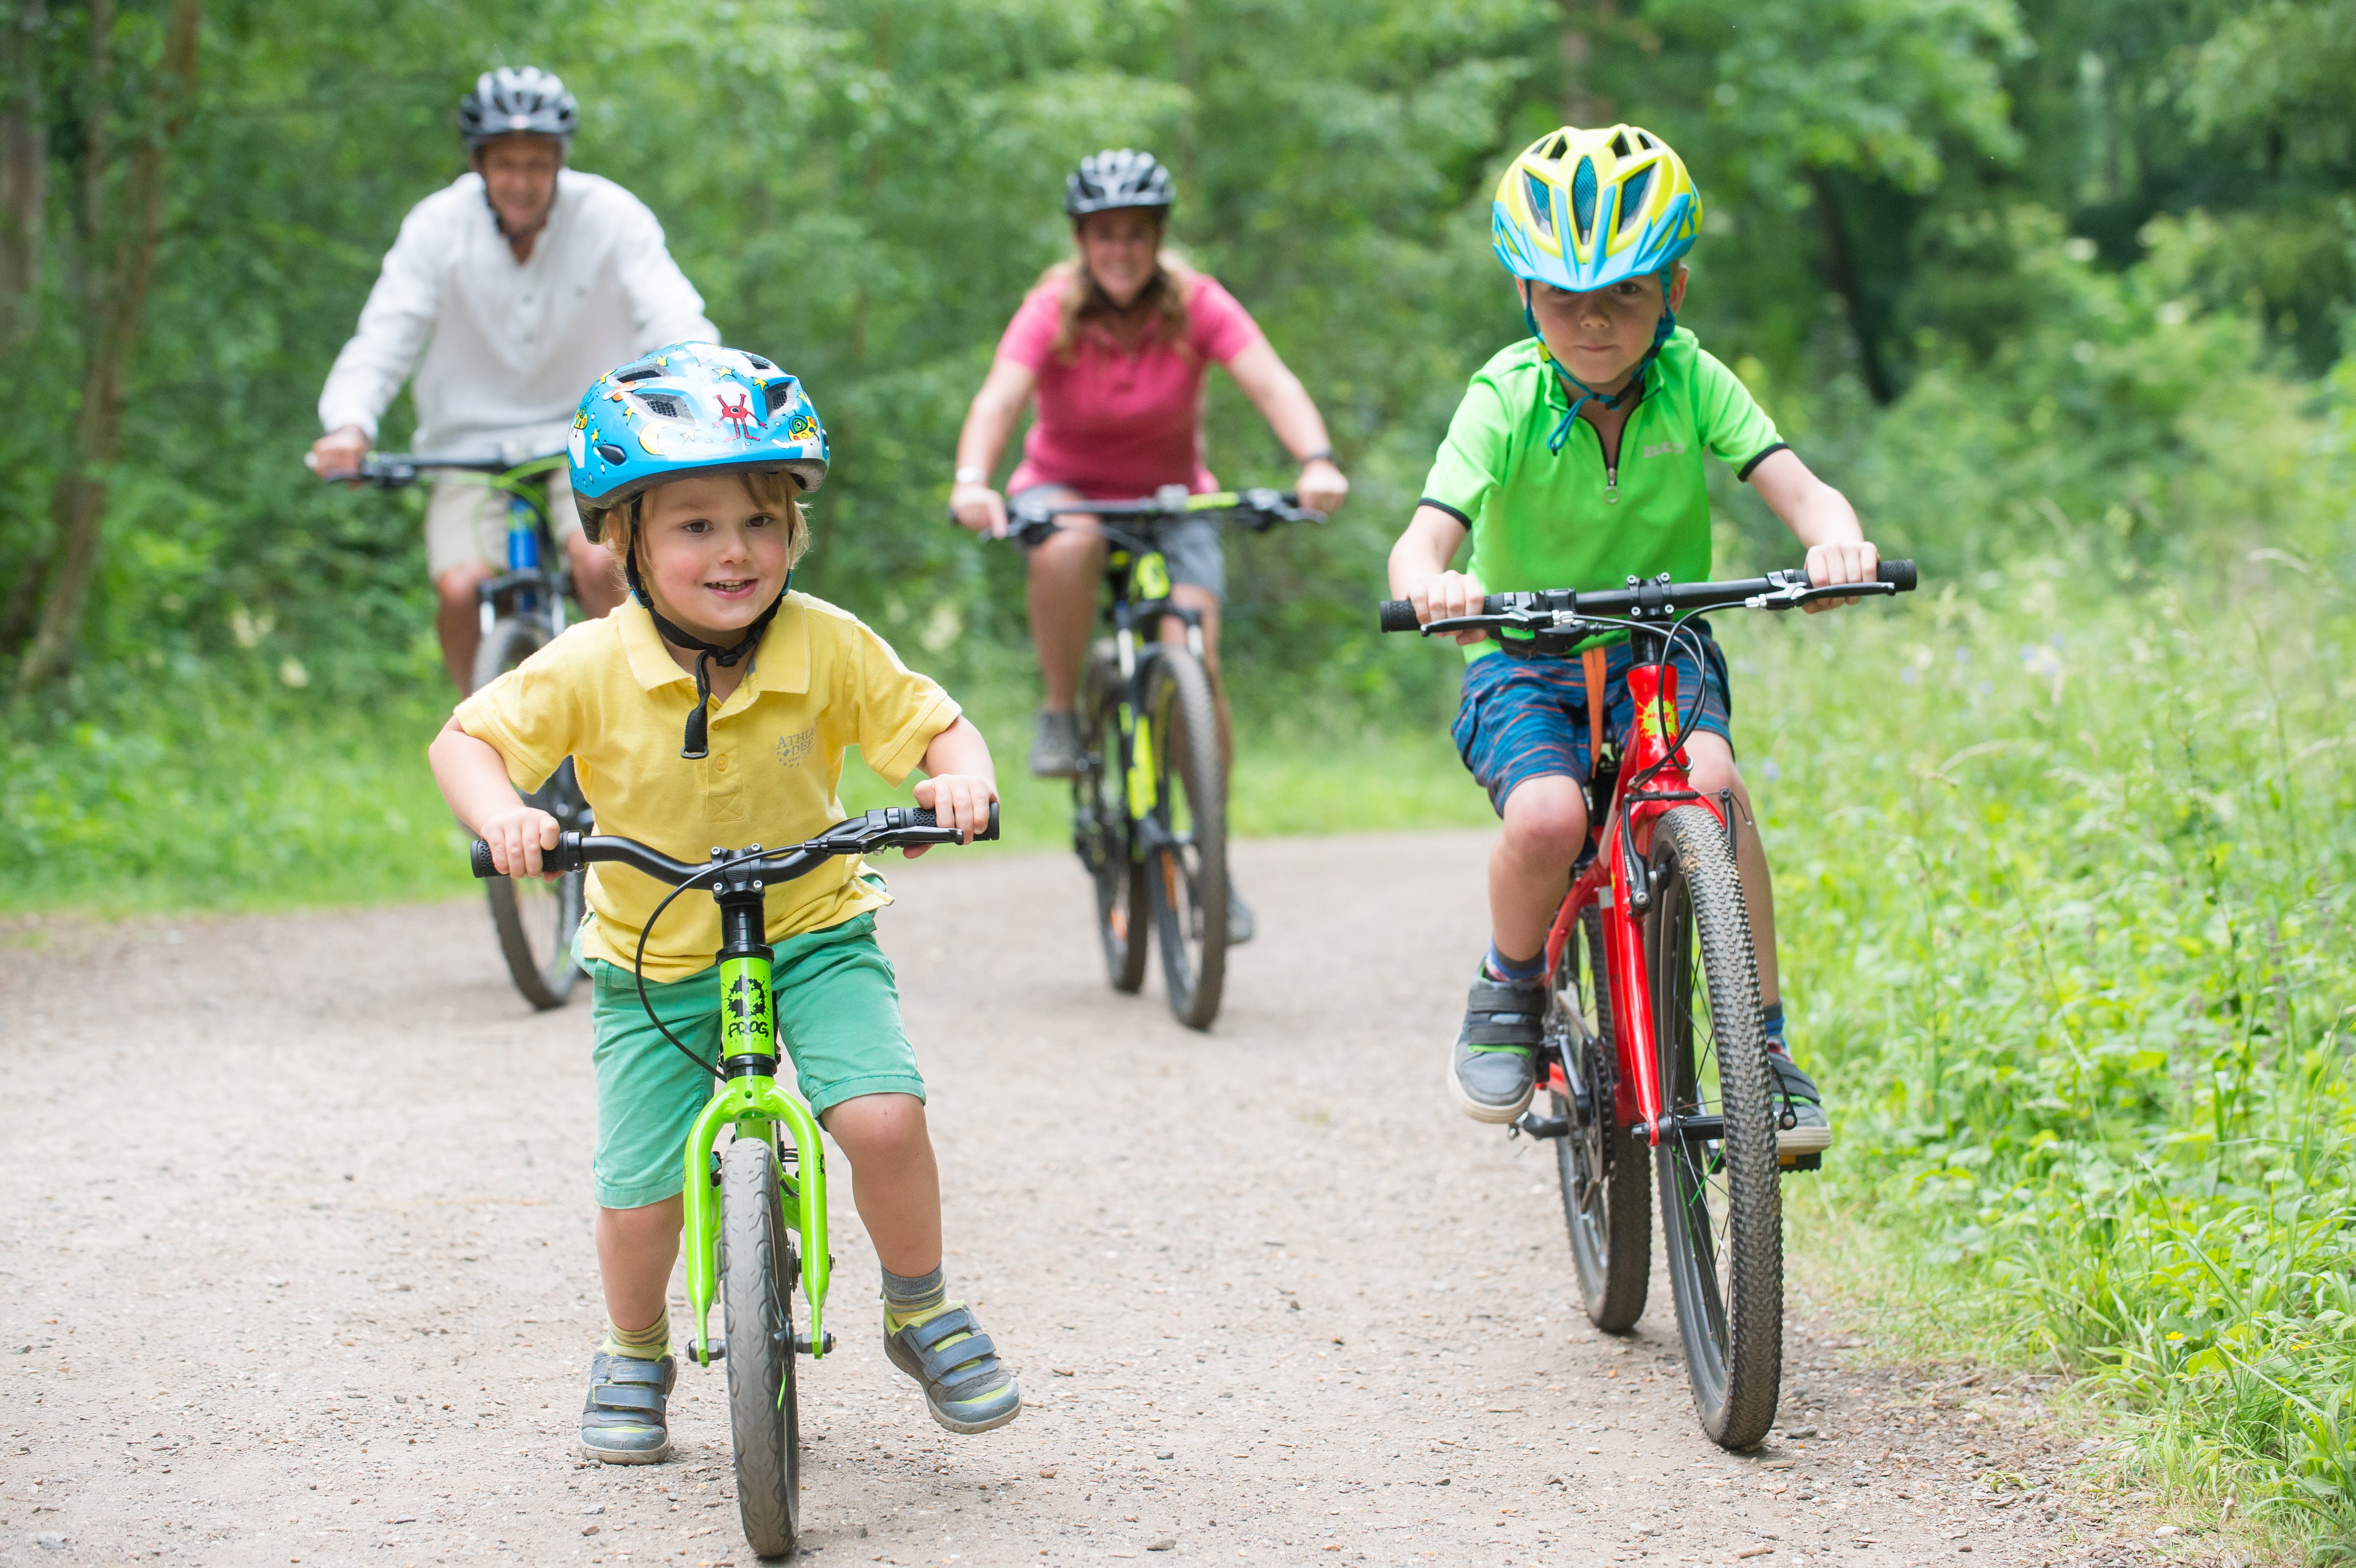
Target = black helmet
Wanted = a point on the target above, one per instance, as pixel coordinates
(1117, 177)
(517, 101)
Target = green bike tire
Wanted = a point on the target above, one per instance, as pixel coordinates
(1607, 1199)
(1102, 831)
(1721, 1201)
(1185, 862)
(757, 1270)
(535, 920)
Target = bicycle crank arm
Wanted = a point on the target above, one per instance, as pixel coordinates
(1533, 1126)
(825, 1345)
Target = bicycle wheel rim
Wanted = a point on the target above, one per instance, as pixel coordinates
(756, 1273)
(1100, 832)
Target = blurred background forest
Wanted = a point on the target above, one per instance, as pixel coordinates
(2058, 294)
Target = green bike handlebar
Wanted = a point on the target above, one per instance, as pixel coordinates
(886, 828)
(1660, 599)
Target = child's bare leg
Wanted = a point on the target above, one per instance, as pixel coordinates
(935, 1340)
(894, 1177)
(1529, 866)
(623, 1422)
(1713, 770)
(636, 1251)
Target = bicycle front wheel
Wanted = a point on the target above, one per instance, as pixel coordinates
(757, 1268)
(1186, 833)
(1102, 832)
(1607, 1200)
(535, 920)
(1721, 1208)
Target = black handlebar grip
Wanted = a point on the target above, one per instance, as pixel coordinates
(1398, 615)
(480, 856)
(920, 817)
(991, 831)
(1898, 574)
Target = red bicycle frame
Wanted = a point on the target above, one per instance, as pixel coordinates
(1607, 884)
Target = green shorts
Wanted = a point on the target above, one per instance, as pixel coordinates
(838, 1018)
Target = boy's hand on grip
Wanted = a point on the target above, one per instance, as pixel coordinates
(958, 801)
(517, 837)
(1447, 595)
(1851, 561)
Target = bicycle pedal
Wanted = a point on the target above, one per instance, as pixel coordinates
(704, 1355)
(802, 1343)
(1803, 1162)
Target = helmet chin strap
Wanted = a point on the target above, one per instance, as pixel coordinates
(1661, 331)
(697, 741)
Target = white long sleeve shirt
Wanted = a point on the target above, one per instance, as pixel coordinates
(502, 350)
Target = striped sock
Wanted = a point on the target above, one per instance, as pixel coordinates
(651, 1343)
(1770, 1017)
(911, 1298)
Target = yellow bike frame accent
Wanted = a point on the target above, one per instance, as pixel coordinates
(1143, 794)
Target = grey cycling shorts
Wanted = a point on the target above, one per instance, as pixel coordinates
(1191, 545)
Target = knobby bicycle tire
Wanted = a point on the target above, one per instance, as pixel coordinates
(1186, 844)
(1101, 829)
(535, 920)
(1607, 1199)
(1721, 1206)
(756, 1273)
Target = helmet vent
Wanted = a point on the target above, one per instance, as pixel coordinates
(1631, 197)
(1620, 148)
(1646, 142)
(647, 374)
(1561, 145)
(780, 394)
(1582, 197)
(1541, 200)
(663, 403)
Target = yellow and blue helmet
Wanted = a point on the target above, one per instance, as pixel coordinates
(692, 408)
(1585, 209)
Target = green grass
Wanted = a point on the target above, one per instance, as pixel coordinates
(277, 801)
(2065, 885)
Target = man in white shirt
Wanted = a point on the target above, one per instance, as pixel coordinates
(508, 292)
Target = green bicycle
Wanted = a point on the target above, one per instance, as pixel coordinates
(756, 1213)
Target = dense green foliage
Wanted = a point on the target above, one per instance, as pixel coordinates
(2055, 292)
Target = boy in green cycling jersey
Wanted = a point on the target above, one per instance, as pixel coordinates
(714, 708)
(1574, 461)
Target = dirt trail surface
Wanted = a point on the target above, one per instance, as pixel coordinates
(296, 1268)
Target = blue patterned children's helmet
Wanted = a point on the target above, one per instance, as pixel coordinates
(692, 407)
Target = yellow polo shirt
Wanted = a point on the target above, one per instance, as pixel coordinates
(608, 695)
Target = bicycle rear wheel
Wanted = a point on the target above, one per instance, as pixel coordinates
(1607, 1200)
(536, 919)
(1185, 834)
(1101, 829)
(1722, 1206)
(757, 1270)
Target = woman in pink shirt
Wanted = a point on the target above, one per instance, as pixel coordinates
(1114, 344)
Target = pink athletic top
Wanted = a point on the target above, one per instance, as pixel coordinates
(1115, 424)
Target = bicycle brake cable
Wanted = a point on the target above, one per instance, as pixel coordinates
(638, 958)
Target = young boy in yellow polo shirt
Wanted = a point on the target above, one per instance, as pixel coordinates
(714, 708)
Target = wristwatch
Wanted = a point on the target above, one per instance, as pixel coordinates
(971, 475)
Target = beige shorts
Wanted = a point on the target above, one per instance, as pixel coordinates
(466, 521)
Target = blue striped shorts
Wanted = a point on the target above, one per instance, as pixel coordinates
(1526, 718)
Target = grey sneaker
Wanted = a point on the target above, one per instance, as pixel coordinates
(1495, 1067)
(966, 1386)
(1056, 745)
(1240, 926)
(622, 1421)
(1802, 1127)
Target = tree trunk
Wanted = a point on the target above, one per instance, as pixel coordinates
(1581, 20)
(1841, 271)
(78, 502)
(24, 171)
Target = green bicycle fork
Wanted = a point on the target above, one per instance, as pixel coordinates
(750, 1100)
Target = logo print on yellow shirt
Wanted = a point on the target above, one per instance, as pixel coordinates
(792, 751)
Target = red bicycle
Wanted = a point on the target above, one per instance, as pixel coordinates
(1653, 1038)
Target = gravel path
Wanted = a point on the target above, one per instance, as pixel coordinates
(297, 1269)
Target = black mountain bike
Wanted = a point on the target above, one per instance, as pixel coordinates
(1150, 801)
(523, 608)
